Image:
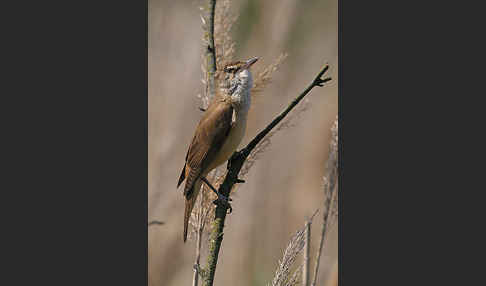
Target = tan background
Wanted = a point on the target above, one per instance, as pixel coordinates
(285, 184)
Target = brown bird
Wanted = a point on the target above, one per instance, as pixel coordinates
(219, 131)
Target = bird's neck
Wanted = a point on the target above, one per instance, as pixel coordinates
(241, 102)
(241, 98)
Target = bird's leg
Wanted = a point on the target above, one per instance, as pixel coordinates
(221, 198)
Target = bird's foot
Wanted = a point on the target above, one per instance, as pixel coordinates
(238, 181)
(222, 199)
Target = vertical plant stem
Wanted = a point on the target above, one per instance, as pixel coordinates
(305, 279)
(330, 198)
(216, 237)
(210, 52)
(200, 228)
(215, 243)
(195, 278)
(319, 251)
(210, 91)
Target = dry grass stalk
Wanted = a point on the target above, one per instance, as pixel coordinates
(330, 188)
(297, 242)
(202, 210)
(200, 217)
(305, 278)
(225, 46)
(295, 246)
(264, 77)
(295, 279)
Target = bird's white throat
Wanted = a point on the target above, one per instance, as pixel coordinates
(241, 98)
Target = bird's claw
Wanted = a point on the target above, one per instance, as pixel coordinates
(238, 181)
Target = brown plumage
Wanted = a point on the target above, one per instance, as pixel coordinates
(219, 131)
(207, 141)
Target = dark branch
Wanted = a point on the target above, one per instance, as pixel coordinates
(318, 81)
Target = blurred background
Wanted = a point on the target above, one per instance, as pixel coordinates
(284, 187)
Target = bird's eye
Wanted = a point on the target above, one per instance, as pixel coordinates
(231, 69)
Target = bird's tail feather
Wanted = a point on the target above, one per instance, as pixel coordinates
(187, 215)
(190, 202)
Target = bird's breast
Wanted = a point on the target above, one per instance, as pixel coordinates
(235, 136)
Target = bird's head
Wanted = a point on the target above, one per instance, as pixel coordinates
(238, 80)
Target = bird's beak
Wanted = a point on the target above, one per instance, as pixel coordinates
(250, 62)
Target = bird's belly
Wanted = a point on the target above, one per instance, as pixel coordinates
(231, 143)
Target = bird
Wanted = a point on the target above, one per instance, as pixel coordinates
(219, 132)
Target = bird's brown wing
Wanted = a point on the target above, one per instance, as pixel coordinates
(212, 106)
(210, 135)
(183, 173)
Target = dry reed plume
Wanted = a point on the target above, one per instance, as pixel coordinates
(294, 248)
(330, 188)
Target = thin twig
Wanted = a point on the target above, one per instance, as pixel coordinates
(234, 166)
(156, 222)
